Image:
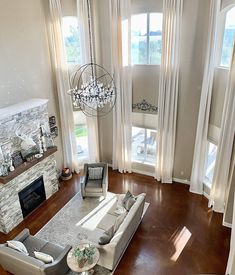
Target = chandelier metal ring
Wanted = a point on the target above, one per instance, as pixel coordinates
(93, 90)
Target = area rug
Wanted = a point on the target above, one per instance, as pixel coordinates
(62, 228)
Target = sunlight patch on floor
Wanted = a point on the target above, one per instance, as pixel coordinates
(180, 241)
(94, 217)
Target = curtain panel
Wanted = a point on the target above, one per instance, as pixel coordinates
(199, 158)
(92, 122)
(223, 166)
(62, 85)
(168, 89)
(121, 64)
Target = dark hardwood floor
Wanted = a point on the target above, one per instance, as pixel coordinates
(178, 234)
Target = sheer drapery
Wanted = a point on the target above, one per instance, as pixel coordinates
(168, 89)
(121, 64)
(199, 158)
(92, 122)
(220, 182)
(62, 85)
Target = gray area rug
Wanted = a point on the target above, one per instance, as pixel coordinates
(62, 229)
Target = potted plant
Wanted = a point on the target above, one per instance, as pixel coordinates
(84, 254)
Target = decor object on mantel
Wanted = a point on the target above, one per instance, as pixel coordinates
(145, 106)
(53, 127)
(93, 89)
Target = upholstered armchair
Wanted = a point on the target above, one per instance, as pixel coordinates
(18, 263)
(95, 180)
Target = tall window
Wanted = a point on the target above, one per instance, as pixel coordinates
(210, 162)
(146, 41)
(228, 38)
(80, 129)
(143, 145)
(71, 40)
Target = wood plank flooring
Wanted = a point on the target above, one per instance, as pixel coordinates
(178, 234)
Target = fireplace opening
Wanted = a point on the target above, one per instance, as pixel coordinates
(32, 196)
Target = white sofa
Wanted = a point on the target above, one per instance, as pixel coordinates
(102, 218)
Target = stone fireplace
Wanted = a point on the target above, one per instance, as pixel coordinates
(38, 177)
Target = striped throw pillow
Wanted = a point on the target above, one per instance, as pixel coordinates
(95, 173)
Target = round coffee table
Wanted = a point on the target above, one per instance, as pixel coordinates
(87, 268)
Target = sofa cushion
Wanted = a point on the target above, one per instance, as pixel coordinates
(128, 201)
(119, 220)
(94, 186)
(32, 244)
(95, 173)
(43, 257)
(107, 222)
(93, 235)
(17, 245)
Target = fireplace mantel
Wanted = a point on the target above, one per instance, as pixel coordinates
(26, 165)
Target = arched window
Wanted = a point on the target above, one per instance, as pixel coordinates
(228, 38)
(71, 40)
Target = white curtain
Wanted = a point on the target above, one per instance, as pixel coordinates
(62, 82)
(92, 122)
(121, 63)
(220, 182)
(231, 260)
(199, 158)
(168, 89)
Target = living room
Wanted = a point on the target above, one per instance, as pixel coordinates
(117, 137)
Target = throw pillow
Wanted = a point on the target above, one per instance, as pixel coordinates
(128, 200)
(119, 220)
(19, 246)
(106, 237)
(43, 257)
(95, 173)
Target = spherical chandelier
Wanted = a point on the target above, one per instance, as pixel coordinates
(92, 87)
(93, 90)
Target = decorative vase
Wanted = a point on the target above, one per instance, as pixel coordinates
(82, 262)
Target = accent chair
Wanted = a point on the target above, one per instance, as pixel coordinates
(95, 180)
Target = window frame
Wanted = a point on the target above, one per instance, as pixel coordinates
(71, 65)
(147, 41)
(144, 162)
(220, 35)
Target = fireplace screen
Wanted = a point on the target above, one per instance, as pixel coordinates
(32, 196)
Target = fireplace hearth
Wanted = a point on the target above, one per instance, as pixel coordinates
(32, 196)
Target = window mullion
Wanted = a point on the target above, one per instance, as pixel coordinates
(148, 20)
(145, 145)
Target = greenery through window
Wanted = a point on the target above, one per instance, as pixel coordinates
(80, 129)
(146, 40)
(71, 40)
(228, 39)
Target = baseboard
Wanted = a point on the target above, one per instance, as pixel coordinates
(184, 181)
(143, 172)
(206, 195)
(226, 224)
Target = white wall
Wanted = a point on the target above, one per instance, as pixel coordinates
(25, 70)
